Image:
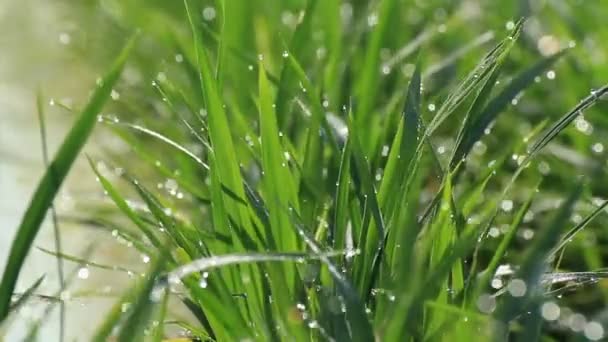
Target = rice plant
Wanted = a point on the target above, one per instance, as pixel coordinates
(333, 170)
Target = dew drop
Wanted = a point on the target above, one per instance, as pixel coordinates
(517, 288)
(577, 322)
(597, 147)
(506, 205)
(209, 13)
(550, 311)
(65, 295)
(65, 38)
(372, 20)
(124, 307)
(83, 273)
(594, 331)
(385, 150)
(486, 303)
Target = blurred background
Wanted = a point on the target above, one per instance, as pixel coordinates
(59, 48)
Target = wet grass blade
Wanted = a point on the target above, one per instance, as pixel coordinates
(133, 308)
(84, 262)
(473, 80)
(564, 121)
(534, 262)
(208, 263)
(160, 137)
(219, 129)
(287, 83)
(488, 273)
(366, 87)
(276, 172)
(578, 228)
(27, 294)
(123, 206)
(499, 103)
(342, 199)
(53, 178)
(56, 231)
(360, 328)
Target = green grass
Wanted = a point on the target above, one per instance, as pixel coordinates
(349, 171)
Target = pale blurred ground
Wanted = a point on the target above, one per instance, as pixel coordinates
(34, 53)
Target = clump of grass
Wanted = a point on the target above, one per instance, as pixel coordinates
(305, 196)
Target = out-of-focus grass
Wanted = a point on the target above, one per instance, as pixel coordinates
(333, 170)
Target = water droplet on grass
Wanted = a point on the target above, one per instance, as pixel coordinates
(594, 331)
(517, 288)
(209, 13)
(550, 311)
(506, 205)
(597, 147)
(65, 38)
(577, 322)
(372, 20)
(83, 273)
(124, 307)
(486, 303)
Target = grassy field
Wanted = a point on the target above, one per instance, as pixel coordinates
(331, 170)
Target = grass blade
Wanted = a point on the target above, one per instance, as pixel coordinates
(56, 232)
(53, 178)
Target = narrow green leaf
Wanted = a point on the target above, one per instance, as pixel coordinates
(53, 178)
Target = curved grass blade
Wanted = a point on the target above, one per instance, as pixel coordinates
(53, 178)
(163, 139)
(216, 261)
(564, 121)
(85, 262)
(123, 206)
(575, 230)
(473, 79)
(219, 130)
(499, 103)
